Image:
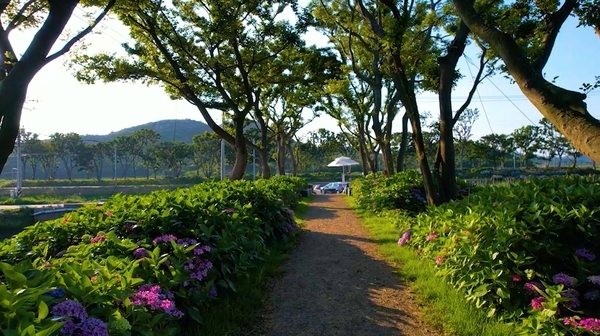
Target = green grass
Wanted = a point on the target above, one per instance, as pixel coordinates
(52, 199)
(443, 306)
(233, 314)
(142, 181)
(13, 221)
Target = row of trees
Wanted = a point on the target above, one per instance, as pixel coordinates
(143, 149)
(143, 152)
(241, 57)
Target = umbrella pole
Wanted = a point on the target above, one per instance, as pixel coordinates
(343, 173)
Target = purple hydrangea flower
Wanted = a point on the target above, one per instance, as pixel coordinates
(201, 249)
(164, 239)
(212, 292)
(405, 238)
(140, 252)
(590, 324)
(185, 242)
(564, 279)
(93, 327)
(592, 295)
(156, 299)
(531, 287)
(57, 293)
(536, 303)
(585, 254)
(69, 308)
(595, 279)
(573, 295)
(68, 328)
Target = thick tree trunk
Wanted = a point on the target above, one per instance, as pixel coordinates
(241, 151)
(565, 109)
(422, 161)
(364, 158)
(293, 158)
(403, 144)
(13, 89)
(447, 179)
(280, 139)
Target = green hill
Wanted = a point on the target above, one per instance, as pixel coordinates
(169, 130)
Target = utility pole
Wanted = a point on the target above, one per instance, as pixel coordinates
(19, 163)
(222, 147)
(115, 163)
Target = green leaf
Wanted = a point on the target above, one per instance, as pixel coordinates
(195, 314)
(42, 310)
(51, 330)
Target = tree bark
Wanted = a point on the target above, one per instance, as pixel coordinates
(565, 109)
(293, 158)
(280, 139)
(241, 151)
(403, 144)
(13, 88)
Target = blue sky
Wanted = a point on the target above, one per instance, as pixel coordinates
(60, 104)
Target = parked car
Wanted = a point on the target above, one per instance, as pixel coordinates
(334, 188)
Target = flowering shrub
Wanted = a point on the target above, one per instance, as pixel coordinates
(139, 265)
(402, 191)
(525, 252)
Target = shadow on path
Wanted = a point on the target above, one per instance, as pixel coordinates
(335, 283)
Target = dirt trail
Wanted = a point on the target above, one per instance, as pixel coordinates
(336, 283)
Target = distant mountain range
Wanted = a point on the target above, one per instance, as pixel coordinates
(169, 130)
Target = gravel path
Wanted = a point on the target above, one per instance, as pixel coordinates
(336, 283)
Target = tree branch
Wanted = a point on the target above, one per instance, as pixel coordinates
(67, 47)
(19, 17)
(476, 82)
(555, 22)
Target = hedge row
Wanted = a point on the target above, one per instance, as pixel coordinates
(527, 252)
(142, 265)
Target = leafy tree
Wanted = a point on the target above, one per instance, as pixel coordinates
(526, 140)
(93, 157)
(68, 147)
(463, 131)
(127, 147)
(364, 52)
(211, 55)
(523, 35)
(145, 139)
(49, 18)
(32, 149)
(206, 149)
(553, 143)
(500, 146)
(348, 100)
(175, 155)
(48, 159)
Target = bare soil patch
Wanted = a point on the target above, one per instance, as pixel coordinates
(337, 284)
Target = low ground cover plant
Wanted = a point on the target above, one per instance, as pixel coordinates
(141, 265)
(527, 253)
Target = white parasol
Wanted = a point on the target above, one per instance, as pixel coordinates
(343, 161)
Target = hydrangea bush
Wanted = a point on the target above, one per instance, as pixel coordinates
(526, 252)
(402, 191)
(142, 265)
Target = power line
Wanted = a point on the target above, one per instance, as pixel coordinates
(502, 92)
(482, 105)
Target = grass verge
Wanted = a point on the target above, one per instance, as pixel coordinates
(443, 306)
(52, 199)
(234, 313)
